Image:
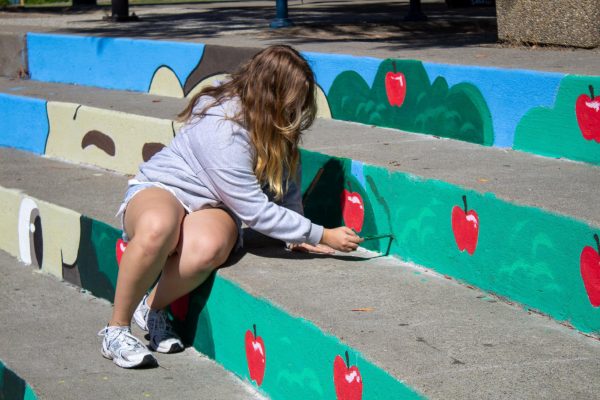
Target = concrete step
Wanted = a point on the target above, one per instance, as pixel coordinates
(49, 339)
(443, 339)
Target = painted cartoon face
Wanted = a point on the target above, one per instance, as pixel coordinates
(109, 139)
(48, 237)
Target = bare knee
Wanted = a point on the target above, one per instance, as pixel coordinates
(202, 255)
(157, 234)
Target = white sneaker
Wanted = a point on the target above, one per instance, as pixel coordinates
(140, 316)
(162, 337)
(124, 349)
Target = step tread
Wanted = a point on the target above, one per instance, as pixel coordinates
(66, 350)
(556, 185)
(117, 100)
(418, 329)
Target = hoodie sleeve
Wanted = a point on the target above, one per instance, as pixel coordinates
(227, 169)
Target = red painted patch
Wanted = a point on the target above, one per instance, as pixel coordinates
(353, 210)
(180, 307)
(587, 110)
(347, 380)
(395, 88)
(120, 249)
(255, 356)
(590, 272)
(465, 225)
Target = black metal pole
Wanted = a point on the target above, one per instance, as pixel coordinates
(120, 12)
(281, 17)
(414, 12)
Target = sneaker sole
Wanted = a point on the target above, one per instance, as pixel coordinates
(147, 361)
(174, 348)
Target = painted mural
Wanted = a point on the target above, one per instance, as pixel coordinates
(402, 97)
(547, 262)
(222, 320)
(478, 104)
(570, 128)
(13, 387)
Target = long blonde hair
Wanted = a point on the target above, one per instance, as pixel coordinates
(276, 89)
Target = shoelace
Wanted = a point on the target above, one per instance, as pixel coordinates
(129, 342)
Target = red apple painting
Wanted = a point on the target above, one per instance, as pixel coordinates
(347, 380)
(120, 249)
(587, 110)
(255, 355)
(395, 87)
(465, 225)
(353, 209)
(589, 263)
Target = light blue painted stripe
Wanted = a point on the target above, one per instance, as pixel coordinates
(23, 123)
(328, 66)
(124, 64)
(509, 93)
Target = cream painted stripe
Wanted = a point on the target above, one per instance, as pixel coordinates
(60, 230)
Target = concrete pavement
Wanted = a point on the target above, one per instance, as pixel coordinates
(366, 28)
(55, 324)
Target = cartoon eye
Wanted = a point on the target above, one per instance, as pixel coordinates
(31, 244)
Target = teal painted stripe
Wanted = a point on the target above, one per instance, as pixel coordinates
(124, 64)
(13, 387)
(526, 254)
(299, 356)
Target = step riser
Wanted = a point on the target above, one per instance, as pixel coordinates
(299, 356)
(490, 106)
(13, 59)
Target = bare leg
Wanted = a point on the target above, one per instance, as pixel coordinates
(153, 222)
(207, 238)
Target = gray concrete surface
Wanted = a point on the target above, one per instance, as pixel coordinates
(519, 177)
(124, 101)
(13, 62)
(359, 27)
(444, 339)
(48, 337)
(566, 22)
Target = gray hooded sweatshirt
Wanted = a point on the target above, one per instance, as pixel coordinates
(210, 163)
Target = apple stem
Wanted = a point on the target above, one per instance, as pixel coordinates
(465, 202)
(349, 185)
(597, 242)
(394, 66)
(592, 91)
(254, 328)
(347, 359)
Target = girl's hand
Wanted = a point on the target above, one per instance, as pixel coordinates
(309, 248)
(342, 239)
